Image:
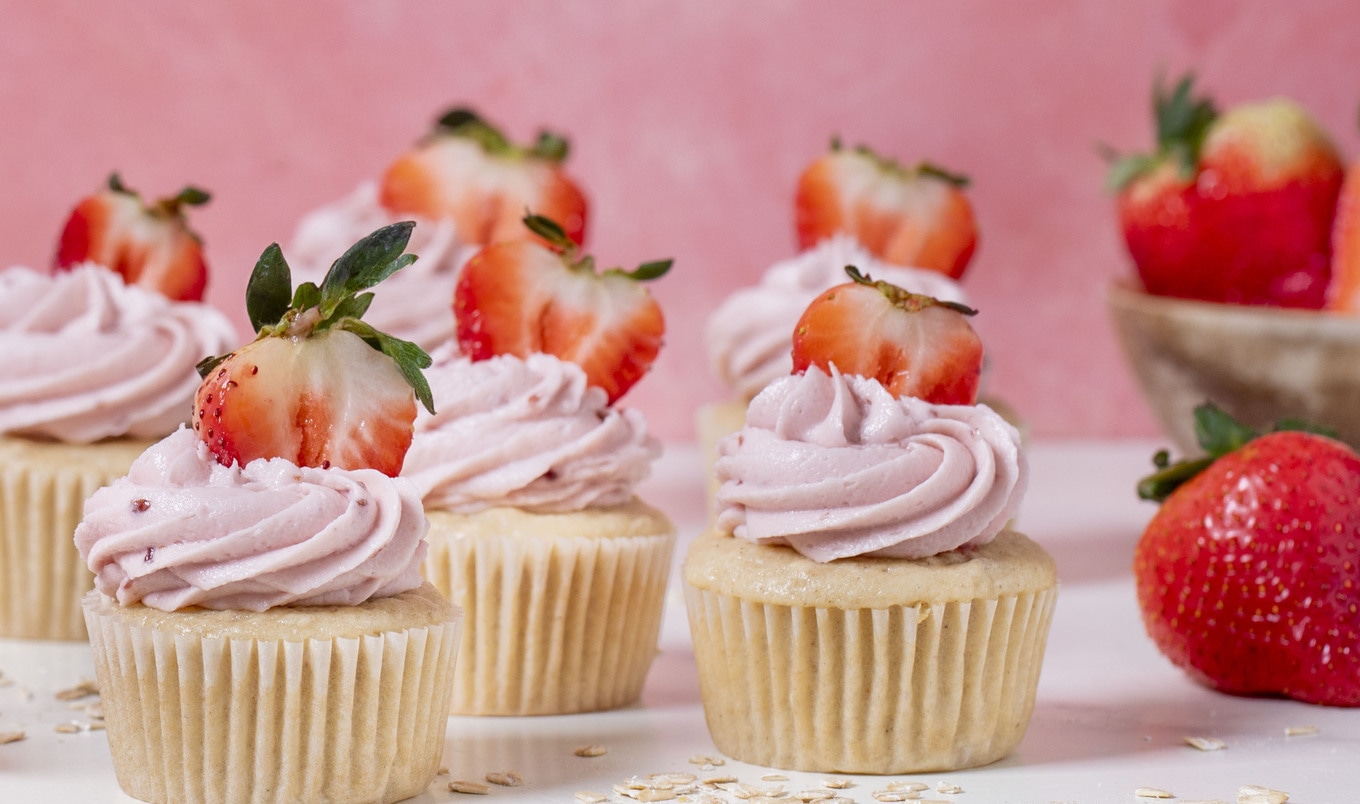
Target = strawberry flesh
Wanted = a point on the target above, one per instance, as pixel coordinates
(914, 345)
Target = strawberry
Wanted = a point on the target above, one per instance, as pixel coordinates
(1344, 293)
(519, 297)
(914, 345)
(148, 244)
(1232, 208)
(914, 216)
(317, 386)
(468, 171)
(1248, 576)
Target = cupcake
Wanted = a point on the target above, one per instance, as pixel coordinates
(100, 363)
(527, 473)
(260, 627)
(860, 604)
(913, 227)
(466, 185)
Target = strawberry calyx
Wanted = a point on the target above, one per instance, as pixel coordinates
(463, 122)
(276, 310)
(902, 298)
(168, 207)
(1183, 120)
(557, 239)
(1218, 434)
(892, 167)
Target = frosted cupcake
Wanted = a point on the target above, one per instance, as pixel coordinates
(260, 627)
(861, 545)
(97, 368)
(466, 185)
(527, 473)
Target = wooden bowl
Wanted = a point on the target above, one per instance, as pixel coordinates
(1261, 364)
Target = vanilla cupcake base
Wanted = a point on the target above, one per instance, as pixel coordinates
(868, 665)
(562, 610)
(43, 487)
(325, 703)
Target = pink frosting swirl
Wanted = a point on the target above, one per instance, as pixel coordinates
(89, 357)
(528, 433)
(749, 334)
(835, 466)
(182, 530)
(416, 303)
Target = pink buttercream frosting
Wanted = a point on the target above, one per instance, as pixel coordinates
(183, 530)
(835, 466)
(749, 335)
(89, 357)
(524, 432)
(416, 303)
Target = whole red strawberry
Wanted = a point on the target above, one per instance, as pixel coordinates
(914, 345)
(519, 297)
(469, 171)
(915, 216)
(1249, 575)
(1233, 208)
(318, 386)
(150, 245)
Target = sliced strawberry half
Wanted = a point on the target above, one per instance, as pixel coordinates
(916, 216)
(150, 245)
(469, 171)
(519, 297)
(914, 345)
(1344, 293)
(317, 386)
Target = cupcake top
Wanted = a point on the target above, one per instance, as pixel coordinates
(183, 530)
(285, 492)
(91, 357)
(415, 303)
(748, 334)
(524, 432)
(835, 466)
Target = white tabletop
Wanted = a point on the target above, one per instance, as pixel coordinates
(1111, 716)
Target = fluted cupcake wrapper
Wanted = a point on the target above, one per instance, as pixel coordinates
(883, 691)
(214, 719)
(42, 498)
(554, 624)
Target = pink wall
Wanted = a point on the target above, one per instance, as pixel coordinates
(690, 122)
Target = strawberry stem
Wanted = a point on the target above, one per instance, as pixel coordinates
(462, 121)
(902, 298)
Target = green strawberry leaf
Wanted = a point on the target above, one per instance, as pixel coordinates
(307, 296)
(268, 289)
(366, 263)
(551, 147)
(647, 271)
(550, 230)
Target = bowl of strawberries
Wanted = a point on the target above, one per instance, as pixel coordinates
(1240, 227)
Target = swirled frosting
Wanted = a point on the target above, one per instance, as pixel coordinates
(524, 432)
(89, 357)
(835, 466)
(416, 303)
(749, 334)
(182, 530)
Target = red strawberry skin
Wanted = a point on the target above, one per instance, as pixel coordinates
(518, 297)
(1250, 223)
(920, 348)
(1249, 575)
(327, 401)
(486, 194)
(150, 247)
(910, 217)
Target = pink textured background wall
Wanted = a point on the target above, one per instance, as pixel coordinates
(690, 122)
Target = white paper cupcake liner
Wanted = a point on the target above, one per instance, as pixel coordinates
(43, 487)
(554, 624)
(195, 718)
(883, 691)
